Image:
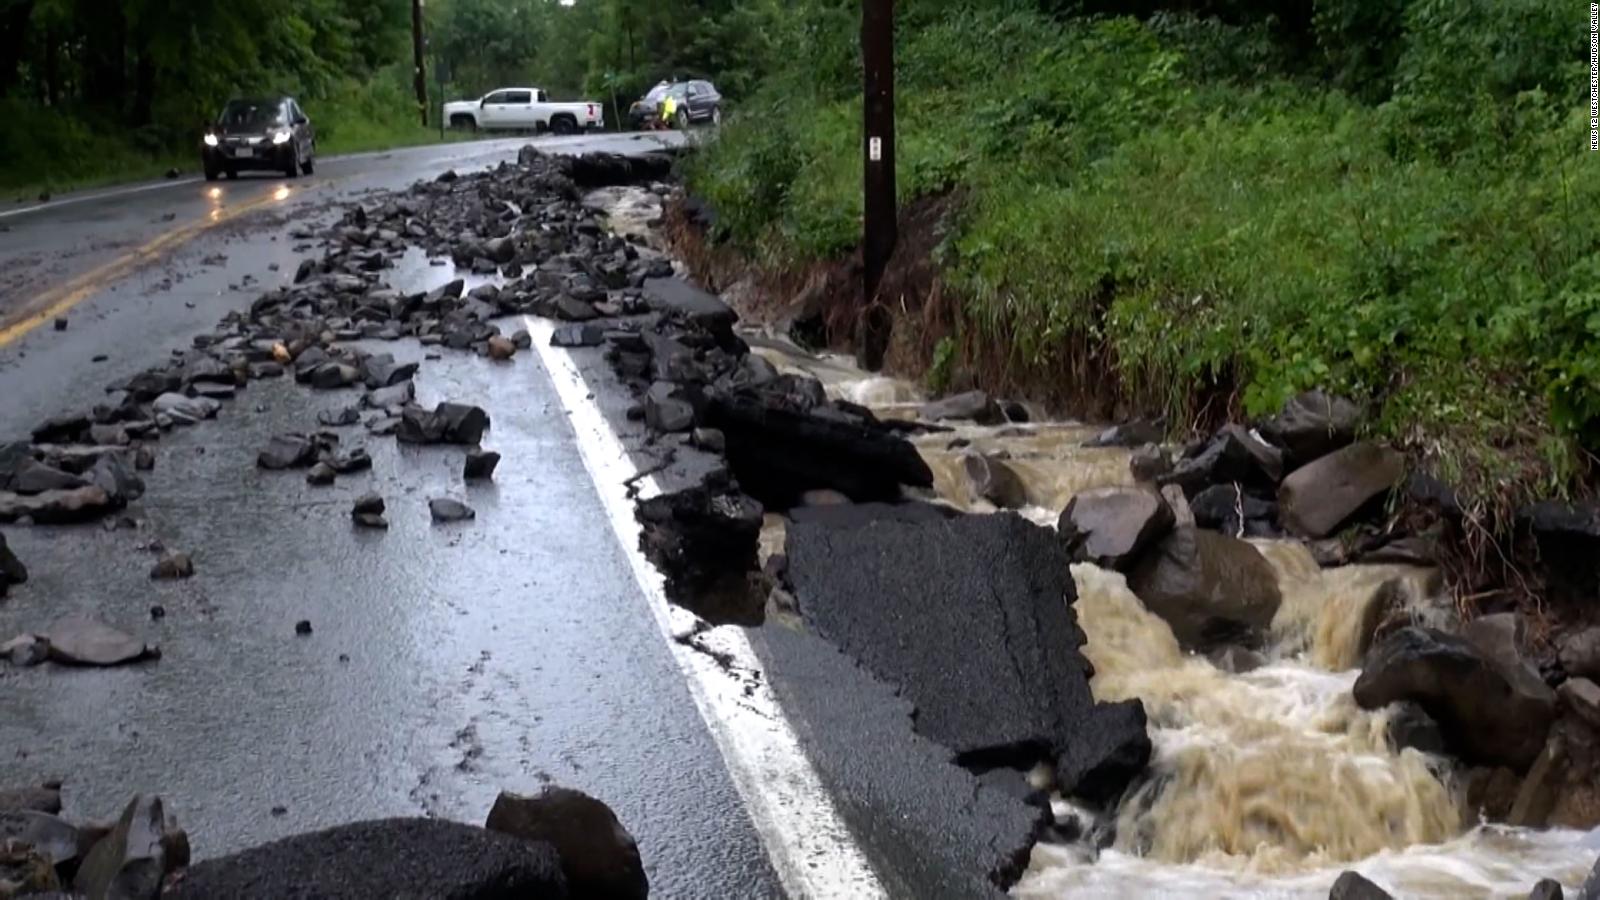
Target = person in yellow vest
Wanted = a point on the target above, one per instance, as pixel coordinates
(669, 111)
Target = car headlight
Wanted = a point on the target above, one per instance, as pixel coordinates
(281, 137)
(211, 140)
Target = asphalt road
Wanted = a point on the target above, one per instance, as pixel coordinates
(446, 663)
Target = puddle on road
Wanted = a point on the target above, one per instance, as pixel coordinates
(1264, 784)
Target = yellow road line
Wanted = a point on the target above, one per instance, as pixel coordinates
(56, 301)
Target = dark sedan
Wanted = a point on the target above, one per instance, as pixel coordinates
(271, 134)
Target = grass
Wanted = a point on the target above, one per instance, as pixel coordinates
(1140, 205)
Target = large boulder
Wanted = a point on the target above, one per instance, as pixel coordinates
(973, 405)
(971, 618)
(1487, 716)
(1234, 455)
(1111, 526)
(704, 539)
(1579, 652)
(1312, 424)
(778, 452)
(1210, 588)
(385, 858)
(991, 479)
(1316, 499)
(599, 858)
(1568, 539)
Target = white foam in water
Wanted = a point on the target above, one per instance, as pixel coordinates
(1265, 784)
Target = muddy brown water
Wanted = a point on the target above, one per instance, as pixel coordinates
(1263, 784)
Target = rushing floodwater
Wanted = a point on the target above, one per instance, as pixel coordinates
(1263, 784)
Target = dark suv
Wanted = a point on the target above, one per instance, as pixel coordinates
(697, 101)
(272, 134)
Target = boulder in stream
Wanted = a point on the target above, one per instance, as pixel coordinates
(1234, 455)
(1320, 497)
(1312, 424)
(1487, 717)
(1111, 526)
(1210, 588)
(1352, 885)
(975, 406)
(991, 479)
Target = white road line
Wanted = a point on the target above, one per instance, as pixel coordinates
(812, 851)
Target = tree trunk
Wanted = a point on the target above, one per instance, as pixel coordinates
(13, 38)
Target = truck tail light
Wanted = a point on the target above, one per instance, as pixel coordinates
(591, 110)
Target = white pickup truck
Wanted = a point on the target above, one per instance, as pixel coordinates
(523, 109)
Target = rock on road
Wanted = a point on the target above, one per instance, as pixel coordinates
(444, 663)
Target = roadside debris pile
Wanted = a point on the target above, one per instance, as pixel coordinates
(82, 466)
(557, 844)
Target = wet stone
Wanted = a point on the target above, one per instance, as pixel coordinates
(368, 504)
(349, 415)
(288, 451)
(446, 509)
(577, 336)
(133, 859)
(480, 464)
(501, 348)
(1355, 886)
(599, 858)
(84, 642)
(302, 627)
(356, 459)
(173, 565)
(321, 474)
(1547, 889)
(34, 477)
(45, 798)
(25, 650)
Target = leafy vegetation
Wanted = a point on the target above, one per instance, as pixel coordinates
(1393, 200)
(95, 90)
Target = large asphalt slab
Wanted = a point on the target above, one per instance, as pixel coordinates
(446, 662)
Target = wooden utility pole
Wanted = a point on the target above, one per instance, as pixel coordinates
(880, 230)
(421, 74)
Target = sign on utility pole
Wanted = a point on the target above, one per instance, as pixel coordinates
(421, 74)
(880, 231)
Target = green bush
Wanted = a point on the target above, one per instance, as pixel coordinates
(1174, 201)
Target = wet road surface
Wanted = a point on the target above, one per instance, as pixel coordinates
(446, 662)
